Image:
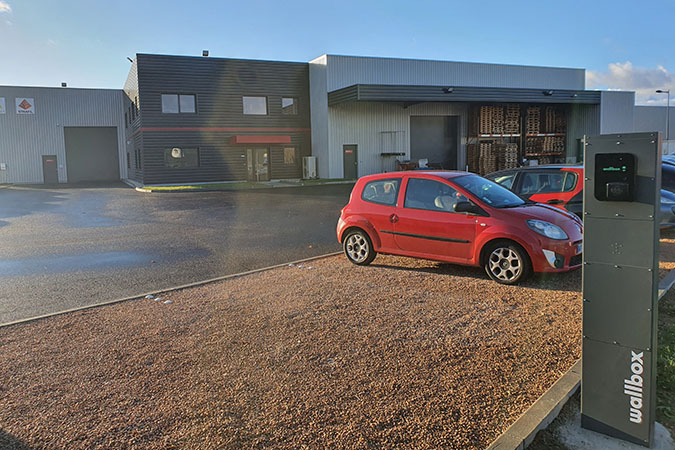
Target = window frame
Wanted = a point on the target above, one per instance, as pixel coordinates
(382, 180)
(296, 109)
(178, 96)
(243, 105)
(407, 187)
(169, 149)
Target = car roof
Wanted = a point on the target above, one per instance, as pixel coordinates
(447, 174)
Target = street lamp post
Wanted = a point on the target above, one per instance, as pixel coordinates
(666, 91)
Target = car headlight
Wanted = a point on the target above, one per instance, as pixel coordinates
(547, 229)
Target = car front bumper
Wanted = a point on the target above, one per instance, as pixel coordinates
(558, 257)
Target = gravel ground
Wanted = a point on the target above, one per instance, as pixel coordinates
(401, 354)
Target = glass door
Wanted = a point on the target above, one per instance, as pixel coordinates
(258, 164)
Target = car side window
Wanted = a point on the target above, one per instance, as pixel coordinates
(505, 179)
(431, 195)
(542, 182)
(570, 181)
(383, 192)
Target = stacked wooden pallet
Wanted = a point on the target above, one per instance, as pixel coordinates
(533, 146)
(497, 120)
(550, 115)
(485, 120)
(512, 119)
(473, 158)
(532, 122)
(560, 124)
(510, 156)
(559, 145)
(488, 158)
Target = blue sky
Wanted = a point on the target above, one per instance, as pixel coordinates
(623, 45)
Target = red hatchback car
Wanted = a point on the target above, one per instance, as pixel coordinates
(457, 217)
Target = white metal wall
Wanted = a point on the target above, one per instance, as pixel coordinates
(363, 124)
(346, 71)
(25, 138)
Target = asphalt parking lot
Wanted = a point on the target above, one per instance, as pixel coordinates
(72, 246)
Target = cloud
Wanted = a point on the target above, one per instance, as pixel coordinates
(4, 7)
(626, 77)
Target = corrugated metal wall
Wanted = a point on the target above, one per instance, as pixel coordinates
(345, 71)
(218, 85)
(616, 112)
(25, 138)
(318, 94)
(371, 125)
(653, 118)
(583, 120)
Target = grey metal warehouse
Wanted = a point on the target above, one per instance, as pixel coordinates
(58, 135)
(181, 119)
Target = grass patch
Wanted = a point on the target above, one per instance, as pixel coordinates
(665, 373)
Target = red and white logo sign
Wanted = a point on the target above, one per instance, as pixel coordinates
(25, 106)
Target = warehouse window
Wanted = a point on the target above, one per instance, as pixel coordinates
(133, 111)
(138, 107)
(178, 103)
(181, 157)
(290, 155)
(128, 160)
(126, 120)
(289, 106)
(255, 105)
(139, 158)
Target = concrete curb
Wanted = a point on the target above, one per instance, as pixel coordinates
(538, 416)
(174, 288)
(149, 189)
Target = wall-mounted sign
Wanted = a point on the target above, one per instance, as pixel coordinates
(25, 105)
(3, 108)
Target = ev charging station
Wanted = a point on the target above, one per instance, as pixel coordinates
(620, 278)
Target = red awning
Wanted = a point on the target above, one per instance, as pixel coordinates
(260, 139)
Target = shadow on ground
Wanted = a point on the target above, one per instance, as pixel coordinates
(9, 442)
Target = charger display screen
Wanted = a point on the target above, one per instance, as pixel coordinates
(615, 177)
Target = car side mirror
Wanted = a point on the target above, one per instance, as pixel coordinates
(467, 207)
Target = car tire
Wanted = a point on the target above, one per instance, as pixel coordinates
(358, 247)
(507, 262)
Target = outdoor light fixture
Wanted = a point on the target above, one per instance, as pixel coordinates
(549, 93)
(64, 84)
(448, 90)
(130, 60)
(205, 53)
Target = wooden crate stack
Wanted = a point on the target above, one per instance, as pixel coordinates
(473, 158)
(533, 123)
(497, 120)
(559, 145)
(511, 156)
(488, 158)
(560, 124)
(512, 119)
(533, 146)
(485, 120)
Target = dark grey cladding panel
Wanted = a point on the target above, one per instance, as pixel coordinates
(219, 85)
(410, 94)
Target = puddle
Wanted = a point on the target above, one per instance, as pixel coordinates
(71, 263)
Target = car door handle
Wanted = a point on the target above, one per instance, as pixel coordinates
(554, 202)
(393, 218)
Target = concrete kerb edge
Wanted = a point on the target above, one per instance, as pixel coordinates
(150, 190)
(537, 417)
(160, 291)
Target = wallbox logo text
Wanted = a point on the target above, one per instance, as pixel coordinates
(633, 386)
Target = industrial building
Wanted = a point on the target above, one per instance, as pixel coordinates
(182, 119)
(59, 135)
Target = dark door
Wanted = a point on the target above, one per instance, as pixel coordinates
(435, 138)
(258, 164)
(350, 161)
(50, 172)
(91, 154)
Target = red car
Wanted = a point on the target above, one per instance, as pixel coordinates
(461, 218)
(557, 185)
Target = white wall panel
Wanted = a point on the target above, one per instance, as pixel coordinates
(25, 138)
(363, 123)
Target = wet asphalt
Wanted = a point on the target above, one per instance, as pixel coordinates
(66, 247)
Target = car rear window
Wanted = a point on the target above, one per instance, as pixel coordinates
(383, 192)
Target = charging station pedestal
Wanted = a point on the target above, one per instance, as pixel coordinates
(620, 278)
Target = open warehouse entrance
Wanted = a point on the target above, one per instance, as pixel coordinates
(91, 154)
(435, 138)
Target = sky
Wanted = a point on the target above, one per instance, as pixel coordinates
(621, 44)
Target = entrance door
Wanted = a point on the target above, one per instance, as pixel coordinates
(50, 172)
(258, 164)
(435, 138)
(350, 162)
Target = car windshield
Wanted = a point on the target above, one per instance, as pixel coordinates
(489, 192)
